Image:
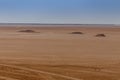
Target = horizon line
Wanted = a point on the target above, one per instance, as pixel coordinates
(53, 24)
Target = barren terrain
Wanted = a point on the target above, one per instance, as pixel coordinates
(53, 53)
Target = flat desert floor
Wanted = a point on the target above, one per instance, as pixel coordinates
(52, 53)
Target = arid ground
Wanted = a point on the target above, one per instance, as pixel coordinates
(53, 53)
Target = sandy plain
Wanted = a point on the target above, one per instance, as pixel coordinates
(55, 54)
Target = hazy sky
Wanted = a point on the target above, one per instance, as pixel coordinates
(60, 11)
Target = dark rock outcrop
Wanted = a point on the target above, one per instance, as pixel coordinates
(100, 35)
(27, 31)
(76, 33)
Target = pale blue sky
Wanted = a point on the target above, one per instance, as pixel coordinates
(60, 11)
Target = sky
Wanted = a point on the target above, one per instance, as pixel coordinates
(60, 11)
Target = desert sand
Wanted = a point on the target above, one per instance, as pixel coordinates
(53, 53)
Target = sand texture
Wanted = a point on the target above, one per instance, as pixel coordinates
(59, 53)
